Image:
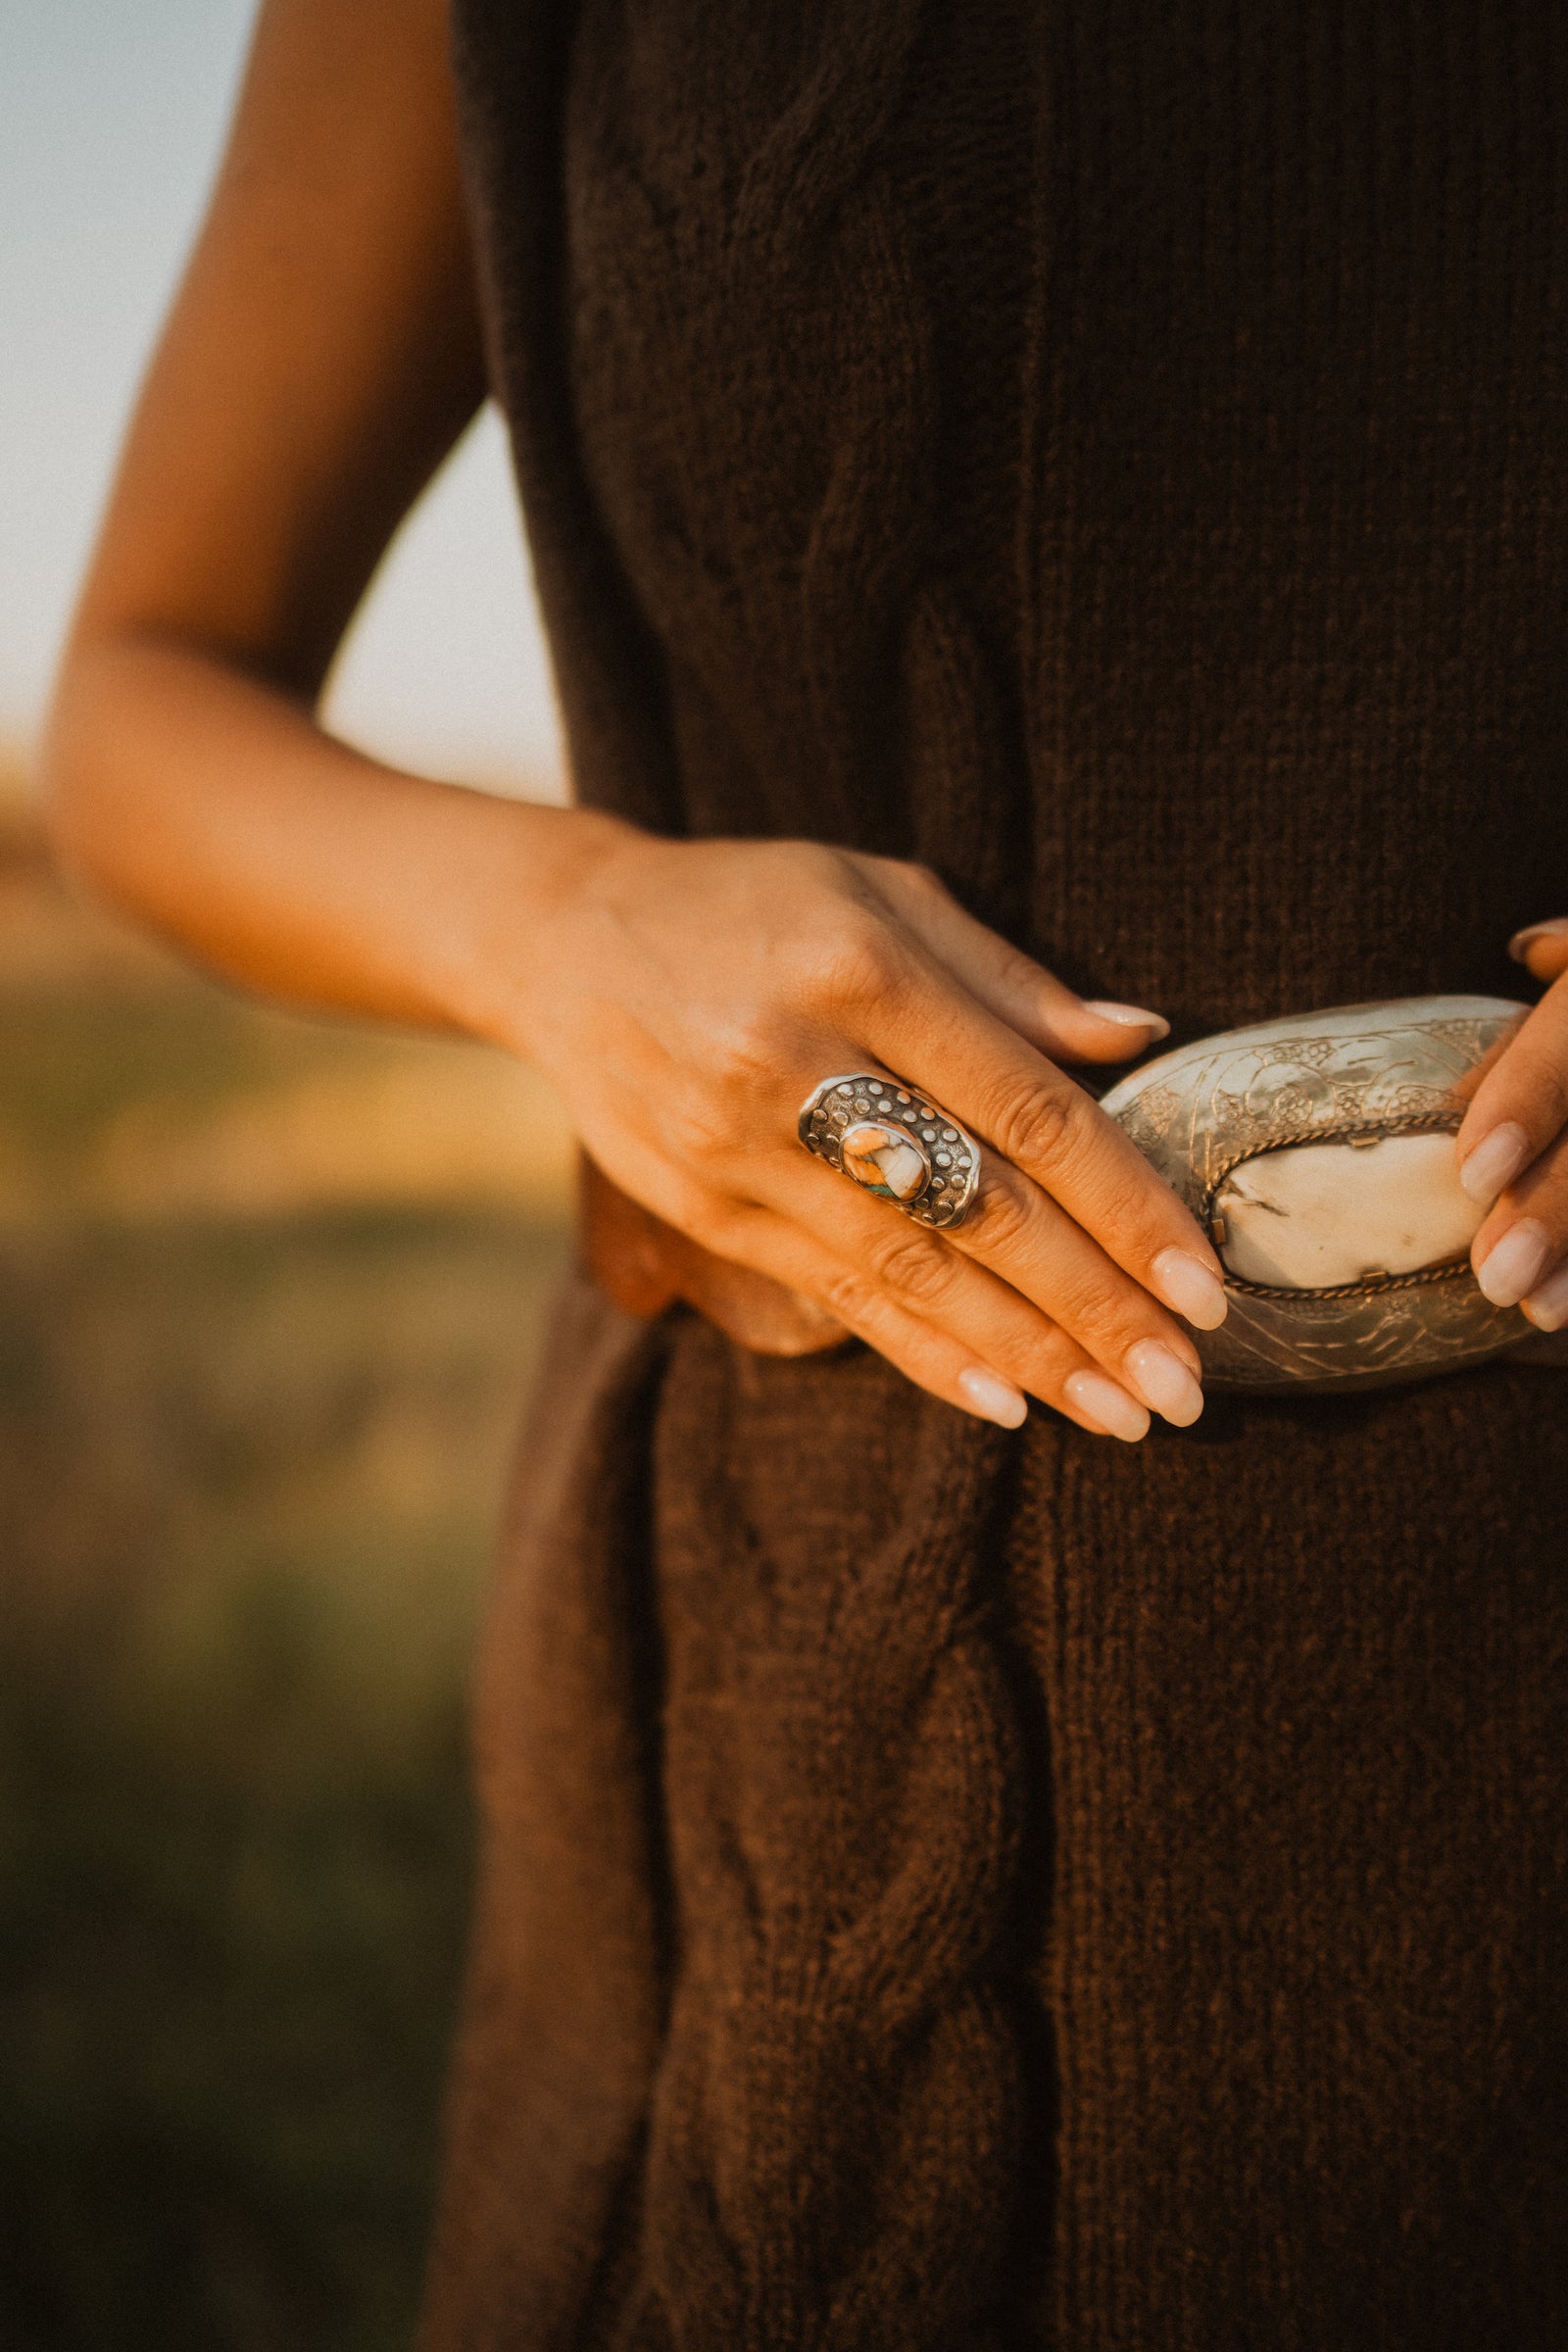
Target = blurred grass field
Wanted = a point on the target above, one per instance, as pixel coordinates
(271, 1293)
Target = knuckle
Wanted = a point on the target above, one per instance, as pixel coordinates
(857, 964)
(1001, 1219)
(1041, 1126)
(924, 881)
(916, 1268)
(847, 1295)
(734, 1099)
(1550, 1106)
(903, 877)
(722, 1225)
(700, 1130)
(747, 1053)
(1100, 1303)
(716, 1124)
(1133, 1215)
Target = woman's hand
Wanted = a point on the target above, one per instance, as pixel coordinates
(1513, 1147)
(321, 357)
(687, 997)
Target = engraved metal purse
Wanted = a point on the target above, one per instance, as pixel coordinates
(1317, 1153)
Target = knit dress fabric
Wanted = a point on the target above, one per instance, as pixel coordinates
(947, 1891)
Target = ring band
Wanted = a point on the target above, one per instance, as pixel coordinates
(895, 1142)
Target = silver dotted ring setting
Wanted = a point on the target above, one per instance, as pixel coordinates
(893, 1142)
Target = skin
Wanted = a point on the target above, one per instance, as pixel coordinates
(1513, 1146)
(321, 358)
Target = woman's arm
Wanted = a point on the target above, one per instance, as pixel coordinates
(321, 358)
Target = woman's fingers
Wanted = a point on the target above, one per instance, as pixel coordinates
(1017, 1231)
(1005, 980)
(1543, 948)
(1018, 1284)
(946, 1361)
(1513, 1151)
(1047, 1127)
(1519, 1107)
(1521, 1252)
(685, 1075)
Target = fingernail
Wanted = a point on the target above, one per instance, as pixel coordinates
(1163, 1382)
(994, 1398)
(1522, 941)
(1494, 1161)
(1547, 1307)
(1186, 1285)
(1128, 1016)
(1513, 1265)
(1117, 1414)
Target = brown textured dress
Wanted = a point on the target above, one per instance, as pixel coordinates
(941, 1889)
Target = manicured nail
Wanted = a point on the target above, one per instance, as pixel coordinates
(1129, 1016)
(1117, 1414)
(1163, 1382)
(1514, 1265)
(1522, 941)
(994, 1398)
(1186, 1286)
(1494, 1161)
(1547, 1307)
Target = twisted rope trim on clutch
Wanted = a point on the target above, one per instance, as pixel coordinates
(1372, 1131)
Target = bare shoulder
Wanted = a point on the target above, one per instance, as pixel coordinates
(320, 357)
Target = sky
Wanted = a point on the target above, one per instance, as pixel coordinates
(116, 112)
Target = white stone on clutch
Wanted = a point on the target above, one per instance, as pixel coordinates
(1316, 1215)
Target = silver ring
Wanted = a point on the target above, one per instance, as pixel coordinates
(893, 1142)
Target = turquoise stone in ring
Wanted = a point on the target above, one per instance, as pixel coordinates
(887, 1160)
(895, 1142)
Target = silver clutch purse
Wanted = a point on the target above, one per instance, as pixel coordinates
(1317, 1154)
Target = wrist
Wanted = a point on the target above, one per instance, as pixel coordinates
(537, 886)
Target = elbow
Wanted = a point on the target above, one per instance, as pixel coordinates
(65, 798)
(84, 785)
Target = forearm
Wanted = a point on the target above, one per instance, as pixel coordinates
(211, 806)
